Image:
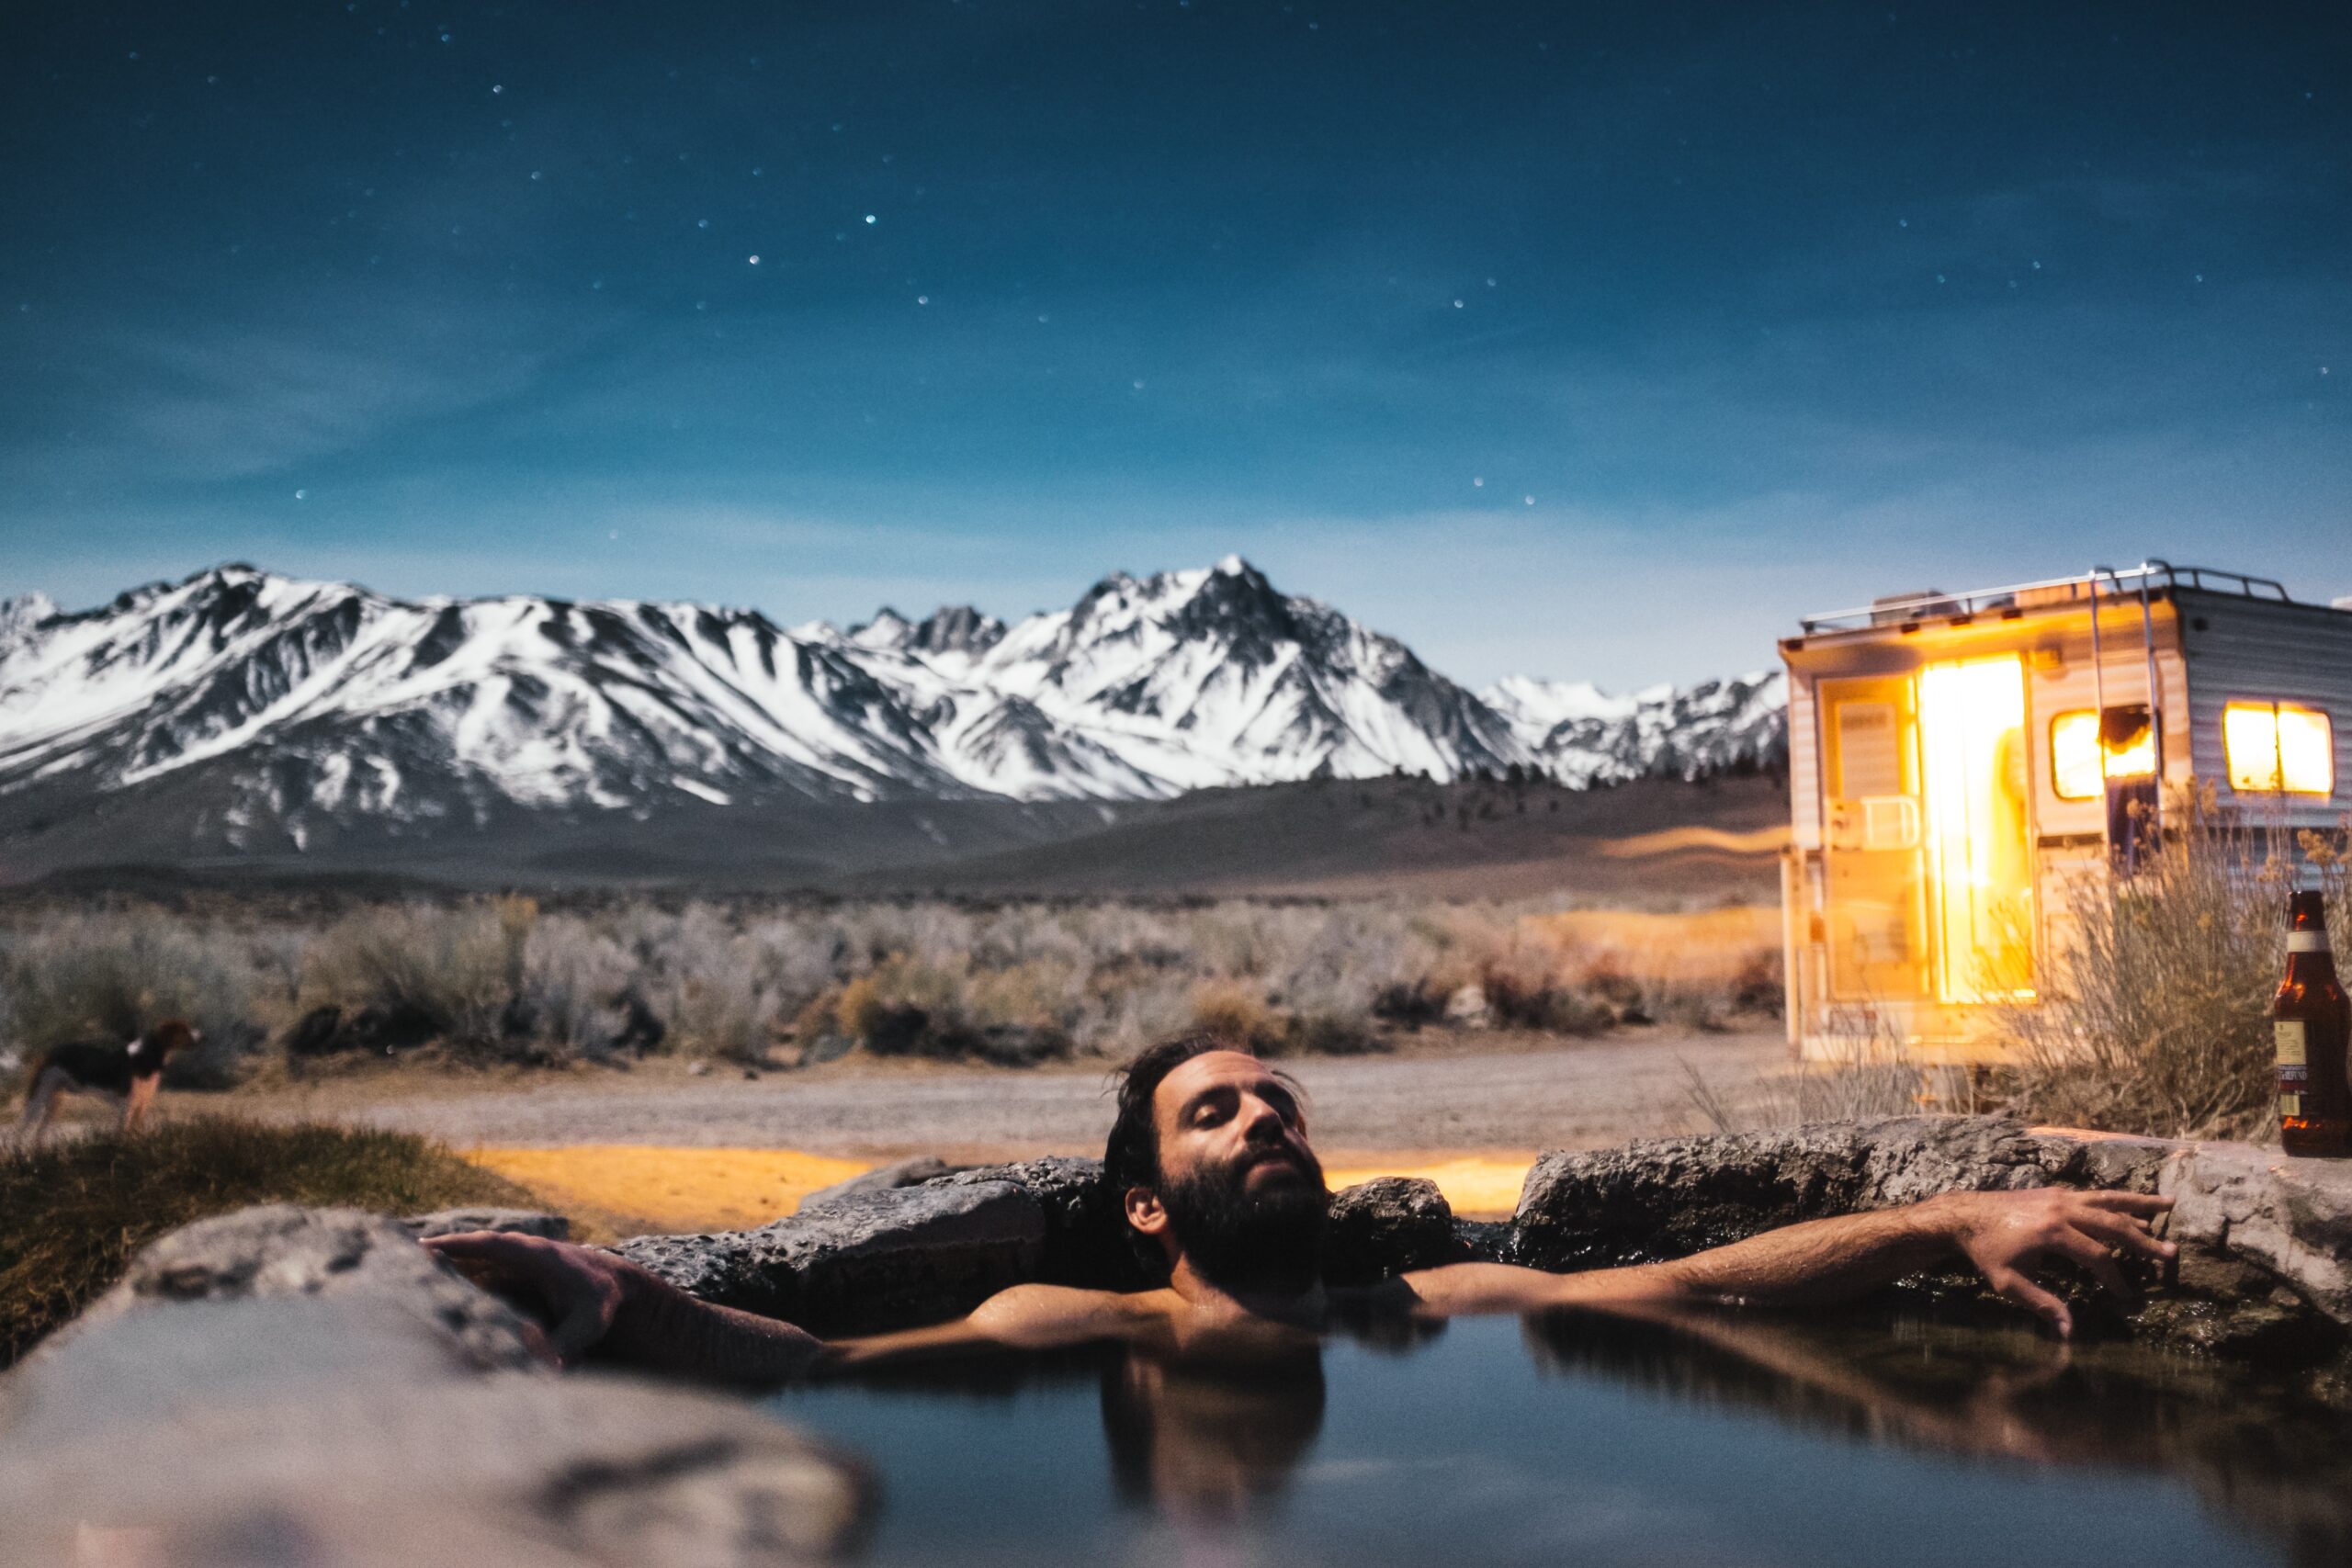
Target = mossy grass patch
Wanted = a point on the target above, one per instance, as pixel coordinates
(72, 1213)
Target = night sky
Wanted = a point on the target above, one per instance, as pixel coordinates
(1584, 340)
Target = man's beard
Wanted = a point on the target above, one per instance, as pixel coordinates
(1238, 1240)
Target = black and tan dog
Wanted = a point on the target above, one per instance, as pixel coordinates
(126, 1075)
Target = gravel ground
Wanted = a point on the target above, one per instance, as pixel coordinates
(1587, 1094)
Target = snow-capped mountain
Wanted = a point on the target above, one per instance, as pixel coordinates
(300, 706)
(1581, 735)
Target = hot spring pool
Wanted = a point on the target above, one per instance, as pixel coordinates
(1581, 1439)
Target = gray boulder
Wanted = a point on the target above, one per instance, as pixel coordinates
(293, 1386)
(1086, 1231)
(868, 1261)
(280, 1250)
(883, 1178)
(2290, 1218)
(518, 1222)
(1387, 1226)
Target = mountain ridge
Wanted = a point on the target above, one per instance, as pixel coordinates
(265, 711)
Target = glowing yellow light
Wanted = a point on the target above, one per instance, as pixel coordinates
(2272, 747)
(2135, 760)
(1979, 863)
(2250, 738)
(2080, 765)
(2074, 755)
(2306, 752)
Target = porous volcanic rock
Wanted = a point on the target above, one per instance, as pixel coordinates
(516, 1221)
(280, 1249)
(882, 1179)
(1387, 1226)
(2266, 1264)
(868, 1261)
(1086, 1230)
(1669, 1197)
(299, 1386)
(2290, 1218)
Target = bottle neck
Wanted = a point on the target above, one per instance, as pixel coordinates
(2309, 959)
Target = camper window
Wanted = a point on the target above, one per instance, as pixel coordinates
(2275, 747)
(2086, 753)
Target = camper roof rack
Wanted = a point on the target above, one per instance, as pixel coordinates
(2149, 576)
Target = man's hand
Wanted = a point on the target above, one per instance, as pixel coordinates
(2004, 1232)
(592, 1299)
(577, 1291)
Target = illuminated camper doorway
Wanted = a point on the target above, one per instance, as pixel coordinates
(1978, 845)
(1930, 850)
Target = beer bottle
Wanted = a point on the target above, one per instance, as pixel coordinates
(2310, 1022)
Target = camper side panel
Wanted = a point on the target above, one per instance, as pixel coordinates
(1804, 765)
(2252, 650)
(2063, 681)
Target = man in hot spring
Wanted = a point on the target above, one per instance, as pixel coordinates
(1226, 1201)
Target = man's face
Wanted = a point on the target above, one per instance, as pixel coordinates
(1242, 1192)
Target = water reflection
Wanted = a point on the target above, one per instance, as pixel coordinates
(1275, 1445)
(1204, 1442)
(2260, 1449)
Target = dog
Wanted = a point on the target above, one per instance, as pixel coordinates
(128, 1074)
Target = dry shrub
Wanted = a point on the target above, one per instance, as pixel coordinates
(1333, 1034)
(1866, 1072)
(2156, 1019)
(432, 972)
(1705, 969)
(1234, 1010)
(1231, 1010)
(1134, 1010)
(729, 1015)
(579, 996)
(113, 976)
(1523, 992)
(907, 1006)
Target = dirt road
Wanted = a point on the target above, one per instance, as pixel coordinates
(1585, 1094)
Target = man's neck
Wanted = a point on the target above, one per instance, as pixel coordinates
(1301, 1308)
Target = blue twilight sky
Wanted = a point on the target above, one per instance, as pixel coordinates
(1586, 339)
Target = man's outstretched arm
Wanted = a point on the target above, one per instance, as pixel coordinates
(2002, 1234)
(625, 1311)
(596, 1299)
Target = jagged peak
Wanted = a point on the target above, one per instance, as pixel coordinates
(951, 628)
(23, 612)
(958, 629)
(887, 629)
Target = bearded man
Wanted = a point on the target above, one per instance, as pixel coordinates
(1222, 1191)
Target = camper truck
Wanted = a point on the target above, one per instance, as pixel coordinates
(1958, 762)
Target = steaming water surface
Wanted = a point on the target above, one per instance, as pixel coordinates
(1583, 1440)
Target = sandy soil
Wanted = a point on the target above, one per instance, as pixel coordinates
(669, 1150)
(1583, 1094)
(659, 1149)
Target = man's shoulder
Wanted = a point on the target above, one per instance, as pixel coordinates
(1072, 1310)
